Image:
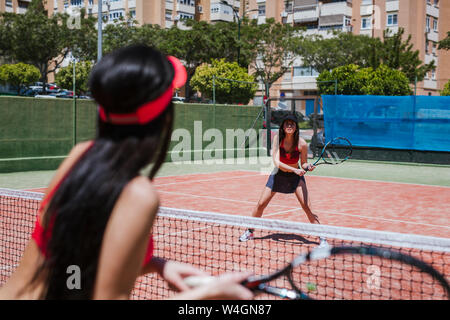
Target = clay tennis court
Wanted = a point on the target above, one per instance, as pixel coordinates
(356, 203)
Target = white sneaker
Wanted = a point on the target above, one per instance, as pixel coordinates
(247, 235)
(323, 243)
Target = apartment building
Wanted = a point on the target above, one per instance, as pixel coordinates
(14, 6)
(426, 20)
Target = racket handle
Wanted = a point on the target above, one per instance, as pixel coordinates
(197, 281)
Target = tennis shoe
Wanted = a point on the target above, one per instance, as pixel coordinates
(323, 243)
(247, 235)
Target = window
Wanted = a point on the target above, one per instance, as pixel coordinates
(8, 3)
(436, 2)
(187, 2)
(434, 49)
(428, 22)
(365, 23)
(433, 75)
(288, 6)
(435, 25)
(168, 15)
(262, 10)
(392, 19)
(305, 72)
(77, 3)
(426, 46)
(186, 16)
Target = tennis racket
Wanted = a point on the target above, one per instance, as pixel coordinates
(335, 151)
(349, 273)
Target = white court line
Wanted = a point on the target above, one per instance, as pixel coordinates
(293, 209)
(181, 232)
(363, 217)
(370, 180)
(204, 180)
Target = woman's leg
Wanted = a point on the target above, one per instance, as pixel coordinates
(263, 201)
(302, 195)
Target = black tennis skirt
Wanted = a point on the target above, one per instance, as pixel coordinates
(284, 182)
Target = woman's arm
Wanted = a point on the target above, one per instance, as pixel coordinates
(125, 240)
(303, 147)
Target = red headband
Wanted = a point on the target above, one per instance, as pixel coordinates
(151, 109)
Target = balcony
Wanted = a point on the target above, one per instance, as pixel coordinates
(366, 9)
(116, 5)
(393, 29)
(431, 57)
(392, 5)
(430, 84)
(131, 4)
(169, 5)
(431, 34)
(432, 10)
(336, 8)
(220, 16)
(306, 15)
(169, 24)
(185, 8)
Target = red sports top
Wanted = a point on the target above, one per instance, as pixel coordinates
(42, 236)
(289, 158)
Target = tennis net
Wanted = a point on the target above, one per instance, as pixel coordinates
(210, 242)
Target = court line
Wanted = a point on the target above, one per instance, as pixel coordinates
(365, 217)
(293, 209)
(203, 180)
(370, 180)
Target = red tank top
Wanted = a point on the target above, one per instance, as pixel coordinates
(289, 158)
(42, 236)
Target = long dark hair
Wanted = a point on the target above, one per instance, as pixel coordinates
(282, 134)
(81, 207)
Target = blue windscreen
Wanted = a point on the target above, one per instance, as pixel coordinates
(407, 122)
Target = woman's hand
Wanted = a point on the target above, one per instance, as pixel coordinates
(174, 272)
(224, 287)
(299, 171)
(310, 167)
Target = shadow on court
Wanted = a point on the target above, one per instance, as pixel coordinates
(289, 238)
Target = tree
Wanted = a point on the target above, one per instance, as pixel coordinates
(399, 54)
(225, 91)
(346, 48)
(193, 46)
(446, 90)
(64, 77)
(126, 32)
(445, 43)
(273, 45)
(353, 80)
(18, 75)
(43, 41)
(340, 50)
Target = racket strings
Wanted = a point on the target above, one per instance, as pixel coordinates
(352, 276)
(337, 151)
